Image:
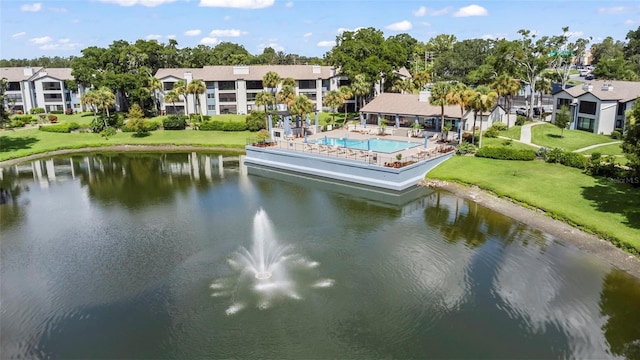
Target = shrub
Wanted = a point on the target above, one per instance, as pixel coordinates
(262, 135)
(617, 135)
(596, 156)
(138, 125)
(234, 126)
(57, 112)
(174, 122)
(255, 121)
(466, 148)
(17, 122)
(24, 118)
(505, 153)
(135, 112)
(508, 142)
(37, 111)
(215, 125)
(52, 118)
(500, 126)
(108, 131)
(19, 112)
(491, 132)
(520, 120)
(541, 152)
(60, 128)
(68, 111)
(567, 158)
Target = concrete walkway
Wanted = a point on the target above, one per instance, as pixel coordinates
(596, 145)
(525, 132)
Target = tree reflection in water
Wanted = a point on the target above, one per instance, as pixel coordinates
(620, 302)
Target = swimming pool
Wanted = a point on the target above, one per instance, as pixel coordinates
(375, 144)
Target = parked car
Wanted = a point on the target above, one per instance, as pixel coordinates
(521, 111)
(589, 77)
(584, 72)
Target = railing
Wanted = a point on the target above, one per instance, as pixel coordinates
(370, 157)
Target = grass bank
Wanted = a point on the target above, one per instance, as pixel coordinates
(549, 135)
(25, 142)
(605, 207)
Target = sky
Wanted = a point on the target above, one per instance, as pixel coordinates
(30, 29)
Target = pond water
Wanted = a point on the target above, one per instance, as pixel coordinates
(196, 256)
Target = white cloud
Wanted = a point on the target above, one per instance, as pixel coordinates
(308, 34)
(341, 30)
(64, 41)
(31, 7)
(208, 41)
(440, 12)
(147, 3)
(289, 4)
(614, 10)
(327, 43)
(172, 36)
(194, 32)
(58, 10)
(22, 33)
(61, 46)
(227, 33)
(630, 22)
(237, 4)
(153, 37)
(274, 46)
(421, 11)
(226, 18)
(471, 10)
(404, 25)
(425, 23)
(41, 40)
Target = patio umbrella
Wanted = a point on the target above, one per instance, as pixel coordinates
(425, 142)
(326, 141)
(305, 136)
(307, 121)
(316, 129)
(269, 125)
(368, 145)
(362, 121)
(397, 121)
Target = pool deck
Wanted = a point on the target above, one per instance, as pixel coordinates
(367, 168)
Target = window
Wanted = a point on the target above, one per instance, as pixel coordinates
(326, 84)
(226, 85)
(13, 86)
(587, 107)
(52, 97)
(251, 96)
(211, 85)
(585, 124)
(254, 85)
(48, 85)
(310, 95)
(228, 109)
(621, 108)
(13, 97)
(211, 108)
(344, 82)
(168, 86)
(50, 108)
(306, 84)
(211, 96)
(563, 102)
(229, 97)
(76, 106)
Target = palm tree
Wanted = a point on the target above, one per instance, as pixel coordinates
(90, 98)
(439, 98)
(345, 93)
(460, 94)
(333, 99)
(180, 87)
(154, 86)
(105, 99)
(264, 98)
(286, 95)
(196, 88)
(172, 96)
(403, 86)
(301, 106)
(360, 87)
(543, 86)
(483, 100)
(421, 79)
(506, 87)
(289, 81)
(271, 80)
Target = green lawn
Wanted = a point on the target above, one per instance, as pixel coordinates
(613, 149)
(512, 132)
(605, 207)
(549, 135)
(19, 143)
(498, 142)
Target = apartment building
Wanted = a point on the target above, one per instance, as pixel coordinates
(233, 89)
(598, 106)
(38, 87)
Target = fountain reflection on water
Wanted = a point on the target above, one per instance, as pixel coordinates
(267, 272)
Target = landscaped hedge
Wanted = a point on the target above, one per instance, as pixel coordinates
(175, 122)
(505, 153)
(37, 110)
(567, 158)
(148, 126)
(57, 112)
(217, 125)
(60, 128)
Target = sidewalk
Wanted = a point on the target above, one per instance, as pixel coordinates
(596, 146)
